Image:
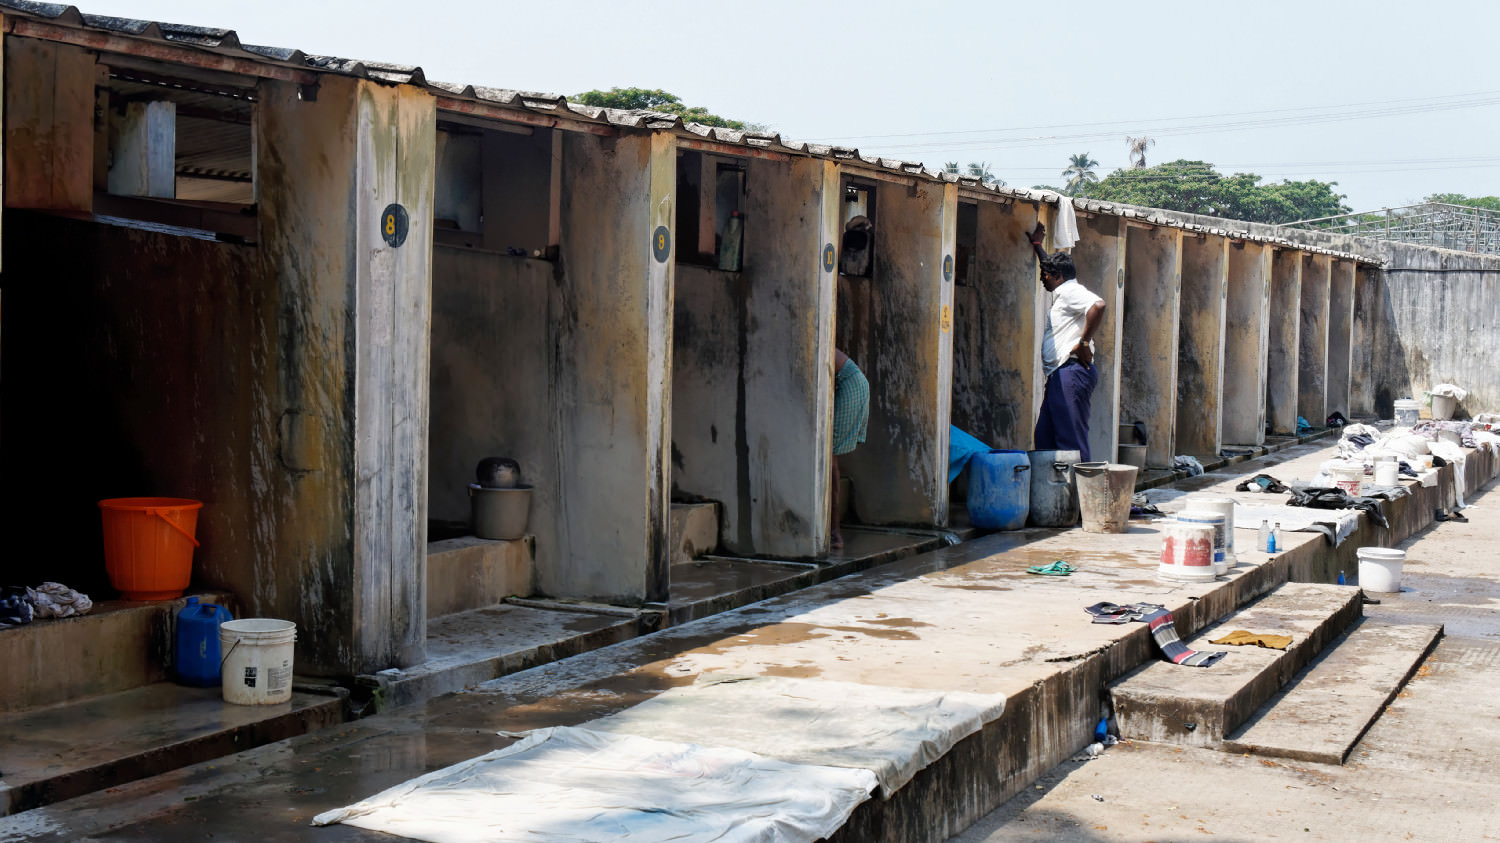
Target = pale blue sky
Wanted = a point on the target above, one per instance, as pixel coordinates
(1248, 87)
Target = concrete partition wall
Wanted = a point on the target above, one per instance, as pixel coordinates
(752, 368)
(901, 337)
(1100, 259)
(1148, 342)
(997, 334)
(1200, 344)
(610, 366)
(490, 387)
(1312, 343)
(1340, 335)
(1362, 339)
(1246, 342)
(1283, 335)
(342, 393)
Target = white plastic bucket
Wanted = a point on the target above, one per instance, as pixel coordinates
(257, 667)
(1214, 519)
(1225, 507)
(1187, 552)
(1380, 568)
(1387, 473)
(1407, 412)
(1443, 406)
(1347, 476)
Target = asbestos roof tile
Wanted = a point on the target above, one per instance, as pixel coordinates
(41, 10)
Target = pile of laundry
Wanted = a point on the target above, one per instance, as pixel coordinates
(20, 605)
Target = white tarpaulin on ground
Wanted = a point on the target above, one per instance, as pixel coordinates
(893, 732)
(573, 785)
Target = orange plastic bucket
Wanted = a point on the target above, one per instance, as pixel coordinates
(148, 545)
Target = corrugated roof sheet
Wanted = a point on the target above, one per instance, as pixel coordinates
(227, 43)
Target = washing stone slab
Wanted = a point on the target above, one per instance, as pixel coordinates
(1200, 706)
(56, 753)
(1325, 712)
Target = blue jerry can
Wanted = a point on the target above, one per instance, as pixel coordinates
(197, 648)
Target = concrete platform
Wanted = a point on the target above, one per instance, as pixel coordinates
(694, 531)
(119, 645)
(1191, 706)
(470, 573)
(60, 752)
(962, 618)
(1325, 711)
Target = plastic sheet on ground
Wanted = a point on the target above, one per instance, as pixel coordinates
(572, 785)
(894, 732)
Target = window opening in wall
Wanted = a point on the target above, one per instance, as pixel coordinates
(175, 150)
(857, 249)
(710, 190)
(497, 187)
(965, 248)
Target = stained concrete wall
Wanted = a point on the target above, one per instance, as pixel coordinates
(1340, 335)
(708, 404)
(1148, 345)
(1284, 328)
(997, 330)
(752, 369)
(347, 387)
(1100, 259)
(1200, 344)
(782, 468)
(1246, 343)
(490, 388)
(899, 331)
(611, 364)
(1312, 342)
(1436, 318)
(1364, 325)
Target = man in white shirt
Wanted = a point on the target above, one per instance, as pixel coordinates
(1067, 355)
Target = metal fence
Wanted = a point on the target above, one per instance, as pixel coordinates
(1456, 227)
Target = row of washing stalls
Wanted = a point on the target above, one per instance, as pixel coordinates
(314, 293)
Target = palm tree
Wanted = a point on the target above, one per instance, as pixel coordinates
(981, 170)
(1080, 173)
(1138, 147)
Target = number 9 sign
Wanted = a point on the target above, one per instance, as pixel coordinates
(394, 224)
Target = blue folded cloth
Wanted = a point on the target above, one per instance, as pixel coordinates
(962, 446)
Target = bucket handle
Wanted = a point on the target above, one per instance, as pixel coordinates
(162, 514)
(226, 655)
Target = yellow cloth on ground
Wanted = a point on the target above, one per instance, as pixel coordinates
(1240, 636)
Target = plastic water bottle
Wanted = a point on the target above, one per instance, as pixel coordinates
(1264, 541)
(1275, 543)
(1341, 578)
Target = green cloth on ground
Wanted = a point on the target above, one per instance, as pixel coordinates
(1263, 639)
(1056, 569)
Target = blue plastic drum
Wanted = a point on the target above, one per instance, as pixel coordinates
(999, 490)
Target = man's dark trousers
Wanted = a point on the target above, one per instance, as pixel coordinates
(1063, 424)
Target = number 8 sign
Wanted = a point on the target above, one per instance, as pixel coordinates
(394, 224)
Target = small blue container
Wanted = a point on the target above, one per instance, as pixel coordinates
(197, 653)
(1000, 490)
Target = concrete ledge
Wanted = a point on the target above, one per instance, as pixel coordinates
(694, 530)
(65, 751)
(471, 573)
(467, 648)
(1167, 703)
(118, 646)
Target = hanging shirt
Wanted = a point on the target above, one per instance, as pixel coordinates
(1065, 321)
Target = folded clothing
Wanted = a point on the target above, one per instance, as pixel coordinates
(1241, 637)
